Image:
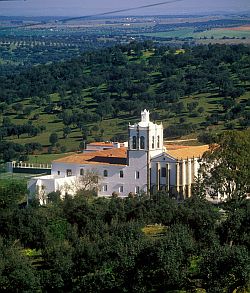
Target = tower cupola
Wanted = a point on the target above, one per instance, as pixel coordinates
(146, 135)
(144, 118)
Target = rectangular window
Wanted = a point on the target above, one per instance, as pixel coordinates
(158, 141)
(142, 142)
(137, 174)
(105, 188)
(81, 172)
(134, 143)
(69, 172)
(163, 172)
(58, 172)
(121, 189)
(137, 189)
(121, 174)
(153, 142)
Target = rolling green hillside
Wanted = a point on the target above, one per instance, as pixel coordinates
(95, 96)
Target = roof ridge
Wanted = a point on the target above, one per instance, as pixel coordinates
(100, 156)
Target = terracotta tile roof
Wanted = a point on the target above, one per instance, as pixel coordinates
(183, 152)
(106, 157)
(175, 146)
(118, 156)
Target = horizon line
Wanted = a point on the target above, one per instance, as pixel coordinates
(201, 13)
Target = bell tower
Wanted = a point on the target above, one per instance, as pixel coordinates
(146, 136)
(145, 142)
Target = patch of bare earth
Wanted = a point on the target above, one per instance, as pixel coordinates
(238, 28)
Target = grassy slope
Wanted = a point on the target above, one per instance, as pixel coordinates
(110, 125)
(45, 158)
(114, 125)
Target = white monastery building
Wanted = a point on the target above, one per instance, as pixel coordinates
(142, 165)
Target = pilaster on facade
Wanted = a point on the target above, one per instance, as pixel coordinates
(158, 176)
(167, 178)
(183, 175)
(189, 176)
(178, 177)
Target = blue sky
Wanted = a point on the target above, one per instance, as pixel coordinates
(86, 7)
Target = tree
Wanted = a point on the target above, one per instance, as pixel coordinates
(12, 193)
(200, 216)
(88, 181)
(179, 107)
(3, 107)
(54, 197)
(192, 106)
(201, 110)
(228, 103)
(235, 229)
(237, 92)
(31, 147)
(105, 108)
(27, 110)
(228, 271)
(82, 145)
(18, 107)
(16, 272)
(230, 125)
(7, 122)
(67, 117)
(226, 167)
(53, 139)
(66, 131)
(165, 261)
(58, 260)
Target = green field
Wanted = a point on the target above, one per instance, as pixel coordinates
(14, 176)
(177, 33)
(46, 158)
(190, 33)
(220, 33)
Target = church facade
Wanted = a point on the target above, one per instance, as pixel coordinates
(145, 165)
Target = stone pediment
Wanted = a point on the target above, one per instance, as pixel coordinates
(164, 157)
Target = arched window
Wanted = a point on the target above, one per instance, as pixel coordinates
(153, 142)
(105, 173)
(134, 143)
(158, 141)
(142, 142)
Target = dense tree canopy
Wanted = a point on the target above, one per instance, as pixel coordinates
(123, 245)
